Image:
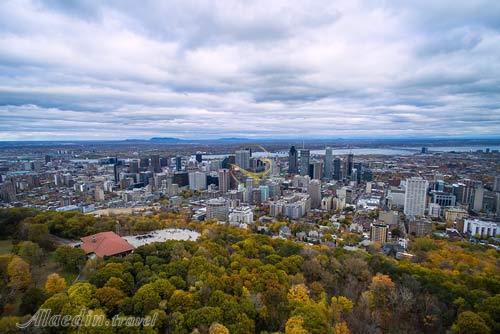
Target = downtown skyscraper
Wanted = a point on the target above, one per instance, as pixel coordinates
(328, 163)
(224, 180)
(349, 165)
(304, 161)
(337, 170)
(243, 158)
(293, 167)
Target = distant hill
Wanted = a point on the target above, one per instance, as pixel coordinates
(165, 139)
(233, 139)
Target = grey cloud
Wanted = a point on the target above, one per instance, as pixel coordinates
(114, 69)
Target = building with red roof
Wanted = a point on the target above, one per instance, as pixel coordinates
(105, 244)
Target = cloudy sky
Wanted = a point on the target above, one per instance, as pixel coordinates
(138, 69)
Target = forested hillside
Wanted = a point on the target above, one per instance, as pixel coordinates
(235, 281)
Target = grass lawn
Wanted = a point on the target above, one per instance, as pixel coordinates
(5, 246)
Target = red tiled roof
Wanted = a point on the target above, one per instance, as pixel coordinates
(105, 244)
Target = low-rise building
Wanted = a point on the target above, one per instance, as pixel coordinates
(453, 214)
(105, 244)
(481, 228)
(241, 215)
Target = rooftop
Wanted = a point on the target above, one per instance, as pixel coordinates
(105, 244)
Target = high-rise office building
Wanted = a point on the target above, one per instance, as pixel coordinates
(242, 158)
(264, 193)
(199, 157)
(304, 156)
(477, 204)
(144, 162)
(349, 165)
(464, 191)
(415, 196)
(314, 191)
(155, 163)
(178, 163)
(116, 172)
(197, 180)
(134, 166)
(224, 180)
(293, 167)
(317, 170)
(359, 171)
(337, 171)
(328, 163)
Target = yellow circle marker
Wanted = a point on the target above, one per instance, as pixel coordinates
(257, 176)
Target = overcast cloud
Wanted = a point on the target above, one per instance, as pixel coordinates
(192, 69)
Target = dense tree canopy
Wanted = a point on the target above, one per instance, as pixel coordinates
(233, 281)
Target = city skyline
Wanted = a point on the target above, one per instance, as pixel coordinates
(344, 69)
(238, 167)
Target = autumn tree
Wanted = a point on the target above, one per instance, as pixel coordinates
(340, 306)
(146, 299)
(55, 284)
(109, 297)
(8, 324)
(203, 317)
(294, 325)
(298, 294)
(380, 294)
(82, 295)
(19, 273)
(217, 328)
(315, 317)
(341, 328)
(469, 322)
(182, 301)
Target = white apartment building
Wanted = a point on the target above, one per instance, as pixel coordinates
(415, 196)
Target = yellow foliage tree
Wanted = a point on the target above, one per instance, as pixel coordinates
(19, 273)
(340, 305)
(379, 296)
(341, 328)
(294, 325)
(298, 294)
(55, 283)
(217, 328)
